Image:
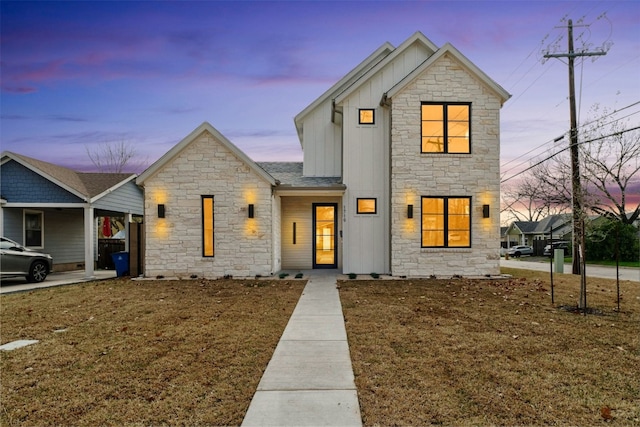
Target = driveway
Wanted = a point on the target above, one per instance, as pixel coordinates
(19, 284)
(605, 272)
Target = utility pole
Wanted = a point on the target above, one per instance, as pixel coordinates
(576, 189)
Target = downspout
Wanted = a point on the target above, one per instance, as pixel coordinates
(386, 103)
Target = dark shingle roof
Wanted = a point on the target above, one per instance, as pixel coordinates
(289, 174)
(526, 226)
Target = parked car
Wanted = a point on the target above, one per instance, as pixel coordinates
(16, 260)
(548, 250)
(517, 251)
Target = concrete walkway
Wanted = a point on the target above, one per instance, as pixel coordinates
(309, 380)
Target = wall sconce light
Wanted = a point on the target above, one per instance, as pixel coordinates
(161, 211)
(485, 211)
(250, 209)
(409, 211)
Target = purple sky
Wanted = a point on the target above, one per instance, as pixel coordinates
(76, 74)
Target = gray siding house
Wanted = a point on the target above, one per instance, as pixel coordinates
(400, 176)
(55, 209)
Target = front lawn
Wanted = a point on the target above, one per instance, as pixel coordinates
(120, 352)
(493, 352)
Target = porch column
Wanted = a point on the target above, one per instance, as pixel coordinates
(89, 232)
(128, 218)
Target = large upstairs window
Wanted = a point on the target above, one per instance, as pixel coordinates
(446, 127)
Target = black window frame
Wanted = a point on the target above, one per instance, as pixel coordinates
(213, 225)
(373, 116)
(445, 120)
(446, 222)
(375, 206)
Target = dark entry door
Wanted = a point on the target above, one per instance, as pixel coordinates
(325, 223)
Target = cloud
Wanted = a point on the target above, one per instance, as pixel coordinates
(66, 118)
(19, 89)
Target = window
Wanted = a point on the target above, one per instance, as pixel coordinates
(33, 236)
(446, 128)
(446, 222)
(367, 206)
(207, 226)
(367, 116)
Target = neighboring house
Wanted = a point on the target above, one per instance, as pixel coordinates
(400, 176)
(537, 233)
(56, 209)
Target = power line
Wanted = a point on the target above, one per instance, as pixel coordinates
(560, 137)
(565, 149)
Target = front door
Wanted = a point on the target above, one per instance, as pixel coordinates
(325, 223)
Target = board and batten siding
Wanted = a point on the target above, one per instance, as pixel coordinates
(366, 175)
(299, 256)
(322, 143)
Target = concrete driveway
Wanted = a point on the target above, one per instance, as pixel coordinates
(19, 284)
(605, 272)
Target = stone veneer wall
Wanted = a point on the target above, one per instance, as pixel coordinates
(415, 174)
(243, 246)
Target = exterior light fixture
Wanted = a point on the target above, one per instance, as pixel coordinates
(250, 209)
(485, 211)
(409, 211)
(160, 211)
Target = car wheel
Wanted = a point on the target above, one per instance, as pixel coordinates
(38, 272)
(517, 254)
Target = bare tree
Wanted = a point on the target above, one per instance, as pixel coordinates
(541, 191)
(610, 168)
(527, 201)
(112, 157)
(611, 153)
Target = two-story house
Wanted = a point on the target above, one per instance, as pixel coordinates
(400, 176)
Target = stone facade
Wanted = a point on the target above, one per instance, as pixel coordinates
(415, 174)
(174, 244)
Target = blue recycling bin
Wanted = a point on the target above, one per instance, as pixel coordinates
(121, 261)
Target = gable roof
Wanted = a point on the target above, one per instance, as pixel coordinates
(525, 227)
(557, 221)
(448, 48)
(186, 141)
(86, 185)
(344, 82)
(417, 37)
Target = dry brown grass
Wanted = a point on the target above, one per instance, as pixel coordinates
(461, 352)
(140, 353)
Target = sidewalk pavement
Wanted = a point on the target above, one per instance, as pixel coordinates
(309, 380)
(19, 284)
(602, 271)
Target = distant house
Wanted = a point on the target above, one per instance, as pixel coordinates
(531, 232)
(56, 210)
(400, 176)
